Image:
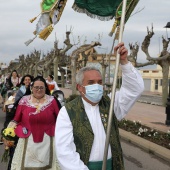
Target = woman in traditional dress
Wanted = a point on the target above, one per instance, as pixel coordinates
(13, 81)
(34, 124)
(24, 84)
(52, 85)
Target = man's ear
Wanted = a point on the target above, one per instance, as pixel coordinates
(79, 87)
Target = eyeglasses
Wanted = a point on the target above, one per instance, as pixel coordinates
(38, 88)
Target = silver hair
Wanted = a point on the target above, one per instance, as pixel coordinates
(80, 73)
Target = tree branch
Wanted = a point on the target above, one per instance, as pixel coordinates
(67, 42)
(144, 64)
(146, 42)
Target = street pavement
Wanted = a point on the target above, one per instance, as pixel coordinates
(151, 99)
(135, 158)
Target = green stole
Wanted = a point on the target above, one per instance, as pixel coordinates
(83, 133)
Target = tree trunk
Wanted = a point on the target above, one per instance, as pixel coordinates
(62, 79)
(56, 69)
(45, 73)
(103, 73)
(35, 72)
(165, 73)
(73, 74)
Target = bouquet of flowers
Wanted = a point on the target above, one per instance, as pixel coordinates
(9, 137)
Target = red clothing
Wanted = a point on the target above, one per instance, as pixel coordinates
(36, 122)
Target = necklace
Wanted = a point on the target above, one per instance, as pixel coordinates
(37, 104)
(38, 100)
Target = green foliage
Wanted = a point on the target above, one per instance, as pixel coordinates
(5, 156)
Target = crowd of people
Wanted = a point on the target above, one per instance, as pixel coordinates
(71, 137)
(39, 108)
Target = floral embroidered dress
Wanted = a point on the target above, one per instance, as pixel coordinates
(35, 129)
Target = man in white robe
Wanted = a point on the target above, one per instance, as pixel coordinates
(131, 89)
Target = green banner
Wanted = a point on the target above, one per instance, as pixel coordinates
(131, 4)
(48, 5)
(105, 9)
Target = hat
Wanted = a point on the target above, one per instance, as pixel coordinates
(167, 25)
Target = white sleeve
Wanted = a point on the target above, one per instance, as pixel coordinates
(131, 89)
(56, 86)
(66, 153)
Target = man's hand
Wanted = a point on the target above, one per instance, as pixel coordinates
(123, 53)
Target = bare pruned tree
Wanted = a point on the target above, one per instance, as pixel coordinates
(163, 60)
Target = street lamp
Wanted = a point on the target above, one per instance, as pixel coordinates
(167, 26)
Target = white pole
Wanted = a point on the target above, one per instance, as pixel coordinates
(114, 88)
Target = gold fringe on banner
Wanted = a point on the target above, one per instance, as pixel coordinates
(113, 28)
(82, 10)
(46, 32)
(117, 33)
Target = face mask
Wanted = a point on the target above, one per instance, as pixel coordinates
(94, 92)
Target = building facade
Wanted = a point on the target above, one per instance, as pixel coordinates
(153, 79)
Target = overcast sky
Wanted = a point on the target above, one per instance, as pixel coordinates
(15, 27)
